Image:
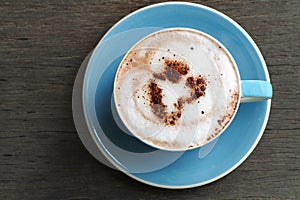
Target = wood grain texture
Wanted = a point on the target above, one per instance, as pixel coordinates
(41, 156)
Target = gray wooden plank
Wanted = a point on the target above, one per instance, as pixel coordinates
(41, 156)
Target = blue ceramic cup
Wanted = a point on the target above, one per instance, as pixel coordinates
(197, 52)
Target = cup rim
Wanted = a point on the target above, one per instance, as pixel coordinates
(132, 48)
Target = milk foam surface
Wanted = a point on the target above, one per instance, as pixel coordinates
(176, 89)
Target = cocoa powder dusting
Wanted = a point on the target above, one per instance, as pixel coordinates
(174, 70)
(160, 76)
(235, 98)
(233, 105)
(172, 75)
(159, 108)
(157, 105)
(178, 66)
(198, 86)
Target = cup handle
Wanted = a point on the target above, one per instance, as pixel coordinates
(255, 90)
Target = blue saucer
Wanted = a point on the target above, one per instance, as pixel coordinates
(161, 168)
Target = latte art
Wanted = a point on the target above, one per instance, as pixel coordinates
(176, 89)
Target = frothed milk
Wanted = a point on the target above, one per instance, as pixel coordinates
(177, 89)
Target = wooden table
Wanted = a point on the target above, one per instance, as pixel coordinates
(41, 156)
